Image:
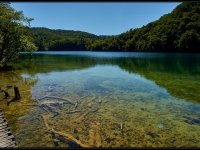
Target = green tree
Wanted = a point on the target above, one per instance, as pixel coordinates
(190, 41)
(13, 36)
(175, 31)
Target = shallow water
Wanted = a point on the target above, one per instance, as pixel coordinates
(105, 99)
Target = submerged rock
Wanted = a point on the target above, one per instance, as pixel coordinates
(50, 88)
(160, 126)
(151, 134)
(193, 121)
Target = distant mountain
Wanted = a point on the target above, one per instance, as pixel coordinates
(173, 32)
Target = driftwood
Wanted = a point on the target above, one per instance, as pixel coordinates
(47, 101)
(94, 135)
(49, 110)
(55, 141)
(66, 135)
(7, 95)
(59, 98)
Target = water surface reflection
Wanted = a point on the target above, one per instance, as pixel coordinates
(129, 100)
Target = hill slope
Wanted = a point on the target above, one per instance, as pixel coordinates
(176, 31)
(47, 39)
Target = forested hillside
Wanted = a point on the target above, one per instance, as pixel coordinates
(176, 31)
(179, 30)
(47, 39)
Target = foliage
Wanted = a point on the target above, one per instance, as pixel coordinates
(13, 36)
(176, 31)
(47, 39)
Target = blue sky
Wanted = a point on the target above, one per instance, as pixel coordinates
(98, 18)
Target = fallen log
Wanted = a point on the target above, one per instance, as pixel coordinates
(59, 98)
(66, 135)
(94, 135)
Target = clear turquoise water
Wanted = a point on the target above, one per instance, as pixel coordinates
(123, 99)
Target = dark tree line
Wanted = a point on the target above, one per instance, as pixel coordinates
(176, 31)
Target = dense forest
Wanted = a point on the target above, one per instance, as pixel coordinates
(176, 31)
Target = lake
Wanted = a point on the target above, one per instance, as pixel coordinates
(105, 99)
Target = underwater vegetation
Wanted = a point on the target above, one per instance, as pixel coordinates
(113, 102)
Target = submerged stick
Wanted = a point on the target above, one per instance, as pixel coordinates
(44, 108)
(80, 118)
(66, 135)
(45, 122)
(29, 105)
(55, 141)
(94, 135)
(74, 111)
(54, 97)
(71, 138)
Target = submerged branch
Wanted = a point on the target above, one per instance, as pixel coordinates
(74, 111)
(54, 97)
(66, 135)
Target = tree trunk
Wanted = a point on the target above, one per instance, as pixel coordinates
(17, 94)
